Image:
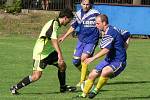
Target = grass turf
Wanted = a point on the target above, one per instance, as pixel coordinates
(16, 63)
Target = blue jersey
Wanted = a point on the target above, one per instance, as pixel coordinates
(125, 34)
(114, 41)
(85, 22)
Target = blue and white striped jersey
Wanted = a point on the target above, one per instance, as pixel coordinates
(125, 34)
(86, 25)
(113, 40)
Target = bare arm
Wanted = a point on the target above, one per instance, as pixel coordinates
(71, 29)
(127, 43)
(101, 53)
(57, 48)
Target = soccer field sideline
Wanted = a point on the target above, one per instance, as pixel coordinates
(16, 62)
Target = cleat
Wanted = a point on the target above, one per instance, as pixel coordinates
(70, 88)
(93, 94)
(67, 88)
(13, 90)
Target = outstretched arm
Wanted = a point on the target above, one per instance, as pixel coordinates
(101, 53)
(57, 48)
(71, 29)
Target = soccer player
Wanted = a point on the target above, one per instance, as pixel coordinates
(113, 45)
(48, 52)
(88, 36)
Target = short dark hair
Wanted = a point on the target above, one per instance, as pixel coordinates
(66, 12)
(104, 18)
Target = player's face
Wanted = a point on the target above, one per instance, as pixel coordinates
(99, 24)
(66, 21)
(85, 5)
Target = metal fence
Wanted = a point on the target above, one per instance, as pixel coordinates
(61, 4)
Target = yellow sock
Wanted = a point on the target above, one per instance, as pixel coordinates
(101, 82)
(88, 86)
(83, 71)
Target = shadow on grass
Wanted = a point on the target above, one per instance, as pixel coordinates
(41, 93)
(128, 98)
(128, 82)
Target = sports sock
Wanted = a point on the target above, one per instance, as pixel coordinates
(26, 81)
(88, 86)
(83, 71)
(102, 81)
(62, 78)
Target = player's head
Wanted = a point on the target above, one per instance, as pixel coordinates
(102, 22)
(86, 4)
(66, 15)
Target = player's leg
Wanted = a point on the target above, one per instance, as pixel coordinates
(37, 72)
(89, 83)
(52, 60)
(92, 76)
(110, 71)
(84, 67)
(87, 52)
(105, 73)
(77, 55)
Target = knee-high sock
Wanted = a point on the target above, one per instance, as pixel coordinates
(26, 81)
(62, 78)
(83, 71)
(101, 82)
(88, 86)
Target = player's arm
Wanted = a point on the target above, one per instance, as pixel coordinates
(57, 48)
(70, 30)
(127, 43)
(54, 42)
(101, 53)
(106, 45)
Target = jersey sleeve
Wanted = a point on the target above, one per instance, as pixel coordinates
(55, 29)
(74, 23)
(106, 42)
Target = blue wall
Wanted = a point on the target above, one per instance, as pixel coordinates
(135, 19)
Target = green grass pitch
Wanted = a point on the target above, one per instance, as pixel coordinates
(16, 63)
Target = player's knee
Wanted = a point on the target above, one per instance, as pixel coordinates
(62, 67)
(93, 75)
(76, 62)
(36, 77)
(107, 72)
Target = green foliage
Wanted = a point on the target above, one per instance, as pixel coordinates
(13, 6)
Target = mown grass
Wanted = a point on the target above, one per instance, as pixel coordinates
(16, 63)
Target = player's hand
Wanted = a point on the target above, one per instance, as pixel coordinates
(61, 61)
(61, 39)
(88, 60)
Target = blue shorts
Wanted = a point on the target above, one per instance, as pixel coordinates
(84, 48)
(117, 67)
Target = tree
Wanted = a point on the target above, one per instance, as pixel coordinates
(13, 6)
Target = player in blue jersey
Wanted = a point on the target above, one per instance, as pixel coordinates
(88, 36)
(113, 45)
